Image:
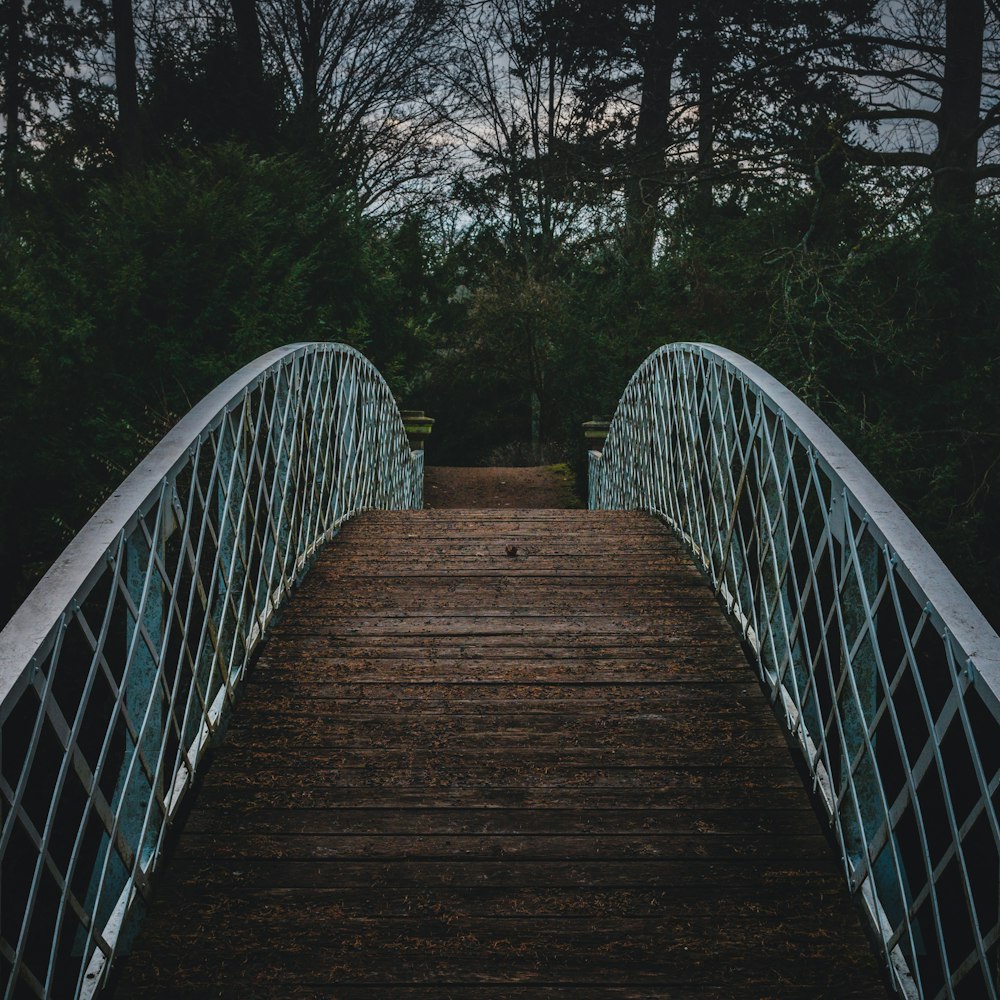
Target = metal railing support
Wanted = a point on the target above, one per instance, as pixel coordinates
(885, 673)
(123, 663)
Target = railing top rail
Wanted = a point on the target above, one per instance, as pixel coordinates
(917, 562)
(28, 634)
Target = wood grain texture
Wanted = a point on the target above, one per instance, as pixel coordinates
(454, 773)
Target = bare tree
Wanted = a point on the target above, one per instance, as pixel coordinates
(358, 74)
(250, 63)
(512, 108)
(510, 80)
(933, 95)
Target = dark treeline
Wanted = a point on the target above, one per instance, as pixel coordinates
(506, 204)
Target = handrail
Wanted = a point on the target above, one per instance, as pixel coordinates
(884, 671)
(122, 665)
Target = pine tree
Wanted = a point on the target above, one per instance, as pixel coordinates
(41, 42)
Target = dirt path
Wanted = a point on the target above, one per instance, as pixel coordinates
(539, 487)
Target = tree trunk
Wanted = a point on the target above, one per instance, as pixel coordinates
(705, 194)
(254, 124)
(536, 426)
(644, 183)
(12, 100)
(310, 28)
(956, 156)
(248, 40)
(126, 85)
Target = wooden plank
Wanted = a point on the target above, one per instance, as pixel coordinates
(545, 771)
(508, 989)
(425, 820)
(458, 774)
(368, 903)
(736, 788)
(754, 879)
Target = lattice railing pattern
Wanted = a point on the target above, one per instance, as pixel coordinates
(883, 670)
(122, 665)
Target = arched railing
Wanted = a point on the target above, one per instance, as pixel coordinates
(122, 664)
(886, 674)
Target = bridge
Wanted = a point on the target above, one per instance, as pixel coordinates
(271, 729)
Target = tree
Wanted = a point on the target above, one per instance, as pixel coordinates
(248, 42)
(357, 74)
(657, 55)
(126, 84)
(41, 41)
(12, 97)
(517, 327)
(684, 97)
(925, 109)
(533, 184)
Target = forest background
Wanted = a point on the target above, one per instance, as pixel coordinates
(505, 204)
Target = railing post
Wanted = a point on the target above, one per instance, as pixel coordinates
(776, 645)
(370, 448)
(143, 696)
(643, 461)
(660, 451)
(418, 427)
(224, 615)
(727, 491)
(276, 496)
(285, 456)
(782, 652)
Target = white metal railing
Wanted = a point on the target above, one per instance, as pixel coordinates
(122, 664)
(885, 672)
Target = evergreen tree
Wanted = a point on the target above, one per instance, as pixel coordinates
(41, 42)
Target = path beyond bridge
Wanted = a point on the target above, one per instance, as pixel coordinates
(458, 772)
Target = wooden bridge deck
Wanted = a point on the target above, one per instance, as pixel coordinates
(456, 773)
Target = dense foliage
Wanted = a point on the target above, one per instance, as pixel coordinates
(575, 185)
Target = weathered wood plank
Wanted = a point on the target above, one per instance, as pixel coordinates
(754, 878)
(459, 774)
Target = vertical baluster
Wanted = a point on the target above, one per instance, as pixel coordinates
(722, 526)
(417, 458)
(274, 526)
